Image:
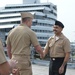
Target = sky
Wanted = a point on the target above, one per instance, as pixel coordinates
(65, 13)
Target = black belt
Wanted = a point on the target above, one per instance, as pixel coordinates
(56, 58)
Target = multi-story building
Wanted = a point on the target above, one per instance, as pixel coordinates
(45, 15)
(72, 56)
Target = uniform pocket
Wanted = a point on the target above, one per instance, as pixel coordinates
(23, 63)
(59, 46)
(52, 42)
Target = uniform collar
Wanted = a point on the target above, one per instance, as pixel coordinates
(59, 37)
(23, 25)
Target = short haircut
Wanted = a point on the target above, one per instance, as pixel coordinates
(25, 19)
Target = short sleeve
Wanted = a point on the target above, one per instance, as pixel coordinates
(47, 45)
(2, 54)
(67, 47)
(34, 39)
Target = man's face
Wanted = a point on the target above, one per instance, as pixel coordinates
(57, 29)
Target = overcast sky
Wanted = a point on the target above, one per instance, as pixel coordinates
(65, 13)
